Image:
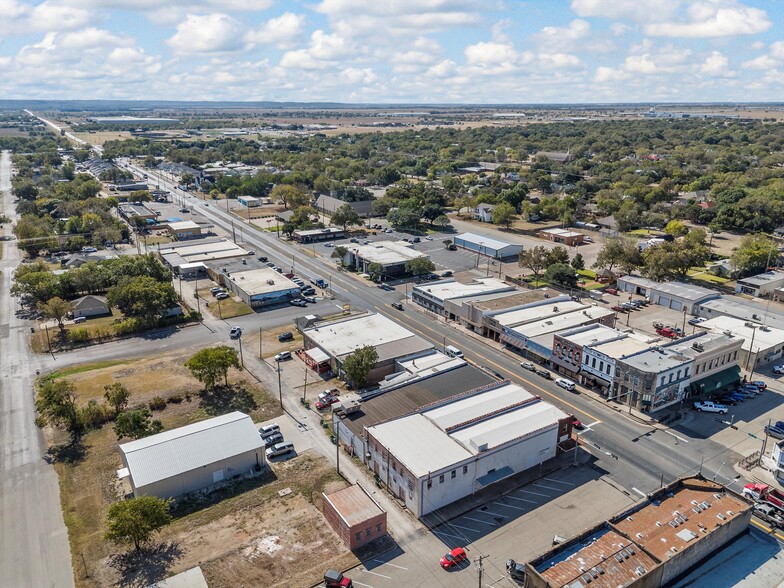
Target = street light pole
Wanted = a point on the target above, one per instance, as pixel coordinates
(280, 390)
(242, 361)
(305, 389)
(261, 356)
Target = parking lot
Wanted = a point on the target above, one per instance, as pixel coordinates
(519, 525)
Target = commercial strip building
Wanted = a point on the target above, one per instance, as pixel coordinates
(562, 236)
(454, 448)
(338, 338)
(649, 545)
(177, 255)
(761, 285)
(487, 246)
(600, 360)
(329, 205)
(761, 345)
(392, 256)
(182, 230)
(752, 311)
(318, 235)
(674, 295)
(654, 379)
(355, 516)
(715, 356)
(249, 201)
(133, 211)
(568, 346)
(433, 296)
(473, 312)
(258, 286)
(192, 457)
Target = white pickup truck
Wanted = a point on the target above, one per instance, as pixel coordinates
(709, 406)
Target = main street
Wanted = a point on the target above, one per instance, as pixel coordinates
(34, 547)
(635, 454)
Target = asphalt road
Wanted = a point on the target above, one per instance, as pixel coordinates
(34, 548)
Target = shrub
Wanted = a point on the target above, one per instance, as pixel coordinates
(176, 399)
(78, 335)
(157, 403)
(93, 415)
(128, 326)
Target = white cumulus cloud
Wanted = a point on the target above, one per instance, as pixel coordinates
(283, 32)
(713, 18)
(209, 33)
(718, 65)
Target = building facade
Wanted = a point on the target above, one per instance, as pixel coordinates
(654, 379)
(355, 516)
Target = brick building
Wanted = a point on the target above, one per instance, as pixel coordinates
(355, 516)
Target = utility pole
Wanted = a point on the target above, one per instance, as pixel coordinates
(233, 234)
(280, 390)
(242, 361)
(261, 356)
(337, 440)
(305, 389)
(480, 568)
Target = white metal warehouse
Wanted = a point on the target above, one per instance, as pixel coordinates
(674, 295)
(192, 457)
(487, 246)
(442, 454)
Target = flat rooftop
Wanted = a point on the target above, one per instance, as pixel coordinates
(763, 279)
(342, 336)
(533, 313)
(354, 505)
(629, 345)
(262, 281)
(449, 289)
(407, 399)
(769, 313)
(478, 406)
(706, 340)
(657, 360)
(590, 335)
(501, 301)
(562, 232)
(764, 338)
(183, 225)
(685, 291)
(608, 557)
(325, 231)
(387, 252)
(559, 322)
(487, 242)
(680, 518)
(202, 251)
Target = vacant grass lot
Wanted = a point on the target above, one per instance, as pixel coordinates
(228, 308)
(88, 479)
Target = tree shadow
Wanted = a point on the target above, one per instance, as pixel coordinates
(146, 566)
(72, 452)
(224, 399)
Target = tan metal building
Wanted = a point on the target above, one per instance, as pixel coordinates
(355, 516)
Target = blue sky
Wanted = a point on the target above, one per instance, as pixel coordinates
(393, 51)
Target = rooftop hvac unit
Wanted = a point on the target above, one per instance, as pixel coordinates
(697, 347)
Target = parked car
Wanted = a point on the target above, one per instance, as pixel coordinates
(235, 333)
(283, 355)
(267, 430)
(760, 384)
(334, 579)
(611, 291)
(354, 240)
(326, 402)
(709, 406)
(544, 373)
(454, 558)
(270, 264)
(273, 439)
(331, 393)
(528, 366)
(297, 302)
(287, 336)
(216, 290)
(309, 299)
(329, 244)
(308, 291)
(729, 400)
(447, 274)
(618, 308)
(697, 320)
(222, 296)
(397, 305)
(515, 570)
(263, 258)
(778, 369)
(774, 431)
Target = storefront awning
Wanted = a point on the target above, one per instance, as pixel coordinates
(492, 477)
(317, 355)
(718, 381)
(513, 341)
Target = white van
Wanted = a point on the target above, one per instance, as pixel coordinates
(268, 430)
(279, 449)
(80, 319)
(453, 351)
(566, 384)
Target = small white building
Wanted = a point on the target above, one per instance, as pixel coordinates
(192, 457)
(761, 344)
(392, 256)
(88, 306)
(248, 201)
(487, 246)
(449, 451)
(176, 255)
(182, 230)
(257, 287)
(484, 212)
(433, 295)
(674, 295)
(760, 285)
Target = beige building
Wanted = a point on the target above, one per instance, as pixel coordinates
(716, 357)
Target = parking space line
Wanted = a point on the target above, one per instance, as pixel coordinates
(509, 506)
(559, 481)
(464, 528)
(546, 487)
(375, 574)
(492, 514)
(361, 584)
(522, 499)
(386, 563)
(445, 534)
(535, 493)
(480, 521)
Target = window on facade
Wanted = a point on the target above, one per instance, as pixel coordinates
(358, 536)
(679, 375)
(593, 362)
(735, 356)
(577, 358)
(368, 532)
(378, 528)
(601, 366)
(686, 375)
(636, 381)
(607, 371)
(394, 466)
(670, 376)
(441, 479)
(710, 364)
(430, 483)
(662, 380)
(465, 470)
(454, 474)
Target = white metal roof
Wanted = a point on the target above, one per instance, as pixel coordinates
(450, 289)
(764, 338)
(487, 242)
(629, 345)
(590, 335)
(476, 406)
(183, 225)
(686, 291)
(387, 252)
(257, 281)
(343, 336)
(540, 311)
(559, 322)
(763, 279)
(187, 448)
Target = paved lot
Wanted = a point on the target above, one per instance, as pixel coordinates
(519, 525)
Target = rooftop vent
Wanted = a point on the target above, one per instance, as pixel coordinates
(555, 309)
(722, 517)
(640, 571)
(658, 523)
(639, 535)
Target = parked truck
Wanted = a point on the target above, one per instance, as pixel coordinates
(770, 514)
(709, 406)
(764, 493)
(334, 579)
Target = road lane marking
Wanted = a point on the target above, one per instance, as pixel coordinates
(509, 506)
(376, 574)
(640, 492)
(535, 493)
(522, 499)
(559, 481)
(678, 437)
(767, 529)
(546, 487)
(480, 521)
(386, 563)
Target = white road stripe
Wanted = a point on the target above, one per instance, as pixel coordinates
(479, 521)
(361, 584)
(678, 437)
(445, 534)
(509, 506)
(640, 492)
(522, 499)
(559, 481)
(492, 514)
(463, 528)
(386, 563)
(546, 487)
(535, 493)
(375, 574)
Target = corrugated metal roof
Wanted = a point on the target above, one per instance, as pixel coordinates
(353, 505)
(186, 448)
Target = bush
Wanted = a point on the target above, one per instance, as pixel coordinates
(78, 335)
(157, 403)
(128, 326)
(176, 399)
(94, 415)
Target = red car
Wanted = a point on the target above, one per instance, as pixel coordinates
(611, 291)
(322, 404)
(576, 424)
(454, 558)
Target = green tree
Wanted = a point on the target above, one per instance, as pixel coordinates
(375, 270)
(291, 196)
(136, 424)
(447, 243)
(143, 297)
(404, 218)
(615, 252)
(753, 254)
(358, 364)
(557, 254)
(340, 253)
(561, 274)
(212, 363)
(419, 266)
(4, 219)
(504, 214)
(676, 228)
(578, 262)
(56, 405)
(137, 519)
(535, 259)
(345, 216)
(117, 395)
(675, 259)
(57, 309)
(441, 221)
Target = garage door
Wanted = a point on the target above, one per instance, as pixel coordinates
(676, 305)
(664, 301)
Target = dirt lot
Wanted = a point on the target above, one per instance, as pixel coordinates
(244, 535)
